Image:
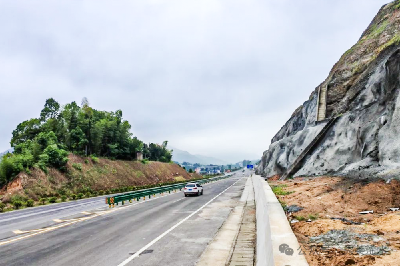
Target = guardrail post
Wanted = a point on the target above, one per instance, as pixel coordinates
(123, 202)
(130, 201)
(109, 205)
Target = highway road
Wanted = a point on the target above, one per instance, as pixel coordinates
(167, 230)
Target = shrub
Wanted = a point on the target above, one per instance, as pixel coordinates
(17, 204)
(42, 201)
(145, 161)
(17, 198)
(56, 157)
(190, 170)
(86, 161)
(30, 203)
(53, 200)
(2, 206)
(88, 195)
(101, 192)
(73, 196)
(94, 159)
(80, 196)
(11, 165)
(94, 193)
(61, 191)
(77, 166)
(63, 198)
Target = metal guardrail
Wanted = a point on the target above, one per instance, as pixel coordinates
(142, 194)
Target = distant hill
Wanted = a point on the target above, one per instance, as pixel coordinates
(184, 156)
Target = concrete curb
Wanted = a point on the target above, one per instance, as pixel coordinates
(273, 230)
(264, 254)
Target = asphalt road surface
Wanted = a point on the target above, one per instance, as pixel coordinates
(167, 230)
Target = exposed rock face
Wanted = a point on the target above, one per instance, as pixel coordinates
(363, 89)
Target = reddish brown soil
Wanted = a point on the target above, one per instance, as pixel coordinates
(335, 197)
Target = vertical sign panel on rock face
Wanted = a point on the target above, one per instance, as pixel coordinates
(321, 110)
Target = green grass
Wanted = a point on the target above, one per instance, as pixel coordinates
(279, 190)
(313, 217)
(300, 218)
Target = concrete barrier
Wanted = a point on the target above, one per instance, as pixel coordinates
(274, 234)
(264, 253)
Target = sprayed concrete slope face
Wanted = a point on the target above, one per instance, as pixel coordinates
(363, 89)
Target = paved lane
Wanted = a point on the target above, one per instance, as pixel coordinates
(111, 238)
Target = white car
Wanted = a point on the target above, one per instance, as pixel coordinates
(193, 189)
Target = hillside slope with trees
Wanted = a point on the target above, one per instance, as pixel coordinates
(46, 142)
(71, 152)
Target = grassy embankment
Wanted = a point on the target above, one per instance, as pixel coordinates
(87, 177)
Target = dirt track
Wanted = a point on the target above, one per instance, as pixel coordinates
(325, 200)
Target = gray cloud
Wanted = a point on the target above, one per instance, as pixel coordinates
(217, 78)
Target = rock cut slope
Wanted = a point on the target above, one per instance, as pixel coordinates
(362, 90)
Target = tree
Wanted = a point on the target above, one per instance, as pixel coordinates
(50, 110)
(88, 114)
(78, 140)
(26, 130)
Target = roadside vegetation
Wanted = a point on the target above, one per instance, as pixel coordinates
(23, 198)
(280, 190)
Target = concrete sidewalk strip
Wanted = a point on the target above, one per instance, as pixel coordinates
(286, 250)
(219, 251)
(244, 248)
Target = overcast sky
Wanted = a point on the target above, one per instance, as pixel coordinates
(213, 77)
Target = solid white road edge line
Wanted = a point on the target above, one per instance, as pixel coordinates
(172, 228)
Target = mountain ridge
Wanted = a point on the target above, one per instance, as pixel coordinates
(181, 156)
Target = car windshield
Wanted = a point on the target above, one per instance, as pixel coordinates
(190, 185)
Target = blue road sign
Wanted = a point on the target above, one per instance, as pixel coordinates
(250, 166)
